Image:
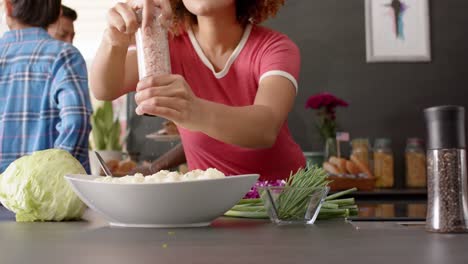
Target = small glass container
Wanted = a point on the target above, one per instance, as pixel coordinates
(415, 157)
(293, 205)
(331, 148)
(361, 150)
(447, 191)
(383, 163)
(314, 158)
(152, 46)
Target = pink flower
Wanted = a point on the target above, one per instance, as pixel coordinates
(327, 100)
(325, 104)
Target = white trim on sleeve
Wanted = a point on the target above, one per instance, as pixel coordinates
(284, 74)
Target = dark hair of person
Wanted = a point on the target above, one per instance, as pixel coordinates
(36, 13)
(69, 13)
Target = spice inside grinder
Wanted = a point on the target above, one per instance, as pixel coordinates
(447, 210)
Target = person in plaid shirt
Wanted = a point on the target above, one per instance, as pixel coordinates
(44, 97)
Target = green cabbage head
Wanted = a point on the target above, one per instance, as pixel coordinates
(35, 189)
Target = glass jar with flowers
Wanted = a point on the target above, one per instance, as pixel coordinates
(325, 105)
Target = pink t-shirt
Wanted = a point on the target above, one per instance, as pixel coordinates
(260, 53)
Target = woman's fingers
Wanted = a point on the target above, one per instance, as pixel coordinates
(166, 12)
(174, 103)
(163, 112)
(167, 96)
(115, 20)
(148, 13)
(155, 81)
(148, 10)
(162, 91)
(128, 16)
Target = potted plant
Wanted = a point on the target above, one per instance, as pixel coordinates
(105, 138)
(325, 105)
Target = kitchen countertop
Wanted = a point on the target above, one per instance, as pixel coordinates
(228, 240)
(390, 194)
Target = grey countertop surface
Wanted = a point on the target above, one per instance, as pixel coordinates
(228, 240)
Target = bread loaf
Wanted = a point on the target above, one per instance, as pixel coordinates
(362, 167)
(351, 168)
(330, 168)
(339, 163)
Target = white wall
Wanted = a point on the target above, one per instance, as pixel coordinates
(89, 26)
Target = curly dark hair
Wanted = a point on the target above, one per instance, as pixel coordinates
(248, 11)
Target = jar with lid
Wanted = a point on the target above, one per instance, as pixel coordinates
(152, 45)
(415, 156)
(383, 163)
(361, 150)
(447, 192)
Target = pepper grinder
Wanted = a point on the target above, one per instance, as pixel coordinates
(447, 210)
(152, 46)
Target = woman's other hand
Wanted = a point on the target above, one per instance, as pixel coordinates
(122, 24)
(123, 21)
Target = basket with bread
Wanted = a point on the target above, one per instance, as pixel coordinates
(346, 174)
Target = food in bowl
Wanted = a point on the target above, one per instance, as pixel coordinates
(166, 176)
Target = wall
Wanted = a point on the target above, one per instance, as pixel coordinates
(386, 99)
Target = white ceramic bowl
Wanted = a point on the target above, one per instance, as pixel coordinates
(178, 204)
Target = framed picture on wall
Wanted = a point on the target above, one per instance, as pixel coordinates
(397, 30)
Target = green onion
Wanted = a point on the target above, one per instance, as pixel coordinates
(244, 208)
(349, 201)
(293, 201)
(349, 207)
(339, 194)
(333, 211)
(330, 205)
(258, 215)
(250, 201)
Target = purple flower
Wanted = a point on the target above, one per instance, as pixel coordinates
(253, 193)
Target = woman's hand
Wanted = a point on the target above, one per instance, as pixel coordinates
(123, 22)
(170, 97)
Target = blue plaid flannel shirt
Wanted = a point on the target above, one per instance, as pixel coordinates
(44, 96)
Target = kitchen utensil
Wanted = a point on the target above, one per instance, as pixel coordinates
(103, 164)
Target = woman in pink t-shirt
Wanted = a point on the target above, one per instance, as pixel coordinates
(233, 83)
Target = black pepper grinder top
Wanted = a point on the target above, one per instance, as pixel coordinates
(445, 127)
